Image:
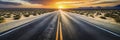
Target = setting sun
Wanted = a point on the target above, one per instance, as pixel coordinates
(61, 7)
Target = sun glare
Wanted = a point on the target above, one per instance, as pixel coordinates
(60, 7)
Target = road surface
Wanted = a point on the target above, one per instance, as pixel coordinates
(59, 25)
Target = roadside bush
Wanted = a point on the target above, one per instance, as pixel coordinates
(98, 13)
(107, 15)
(1, 19)
(16, 17)
(26, 15)
(87, 14)
(102, 17)
(113, 16)
(91, 16)
(117, 19)
(7, 16)
(34, 14)
(39, 13)
(81, 13)
(118, 13)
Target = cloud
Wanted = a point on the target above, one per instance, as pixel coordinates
(90, 3)
(19, 4)
(45, 2)
(69, 2)
(9, 3)
(105, 1)
(55, 3)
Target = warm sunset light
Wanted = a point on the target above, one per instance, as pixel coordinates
(60, 7)
(59, 19)
(51, 3)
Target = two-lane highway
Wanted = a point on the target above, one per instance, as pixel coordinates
(59, 25)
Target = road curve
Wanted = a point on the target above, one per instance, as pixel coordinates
(59, 25)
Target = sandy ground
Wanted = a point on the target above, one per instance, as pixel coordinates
(108, 20)
(10, 23)
(7, 20)
(108, 24)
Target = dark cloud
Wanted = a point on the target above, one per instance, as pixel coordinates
(118, 6)
(104, 2)
(9, 3)
(40, 1)
(36, 1)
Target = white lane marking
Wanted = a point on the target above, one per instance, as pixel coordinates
(104, 29)
(101, 28)
(19, 27)
(13, 30)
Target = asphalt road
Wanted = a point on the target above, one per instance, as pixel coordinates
(59, 25)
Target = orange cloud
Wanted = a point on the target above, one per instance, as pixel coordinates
(88, 3)
(66, 3)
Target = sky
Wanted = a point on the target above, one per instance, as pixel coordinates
(57, 3)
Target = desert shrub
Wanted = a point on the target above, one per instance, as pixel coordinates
(87, 14)
(39, 13)
(2, 19)
(2, 14)
(118, 13)
(117, 19)
(7, 16)
(114, 16)
(91, 16)
(98, 13)
(16, 17)
(34, 14)
(26, 14)
(102, 17)
(107, 15)
(81, 13)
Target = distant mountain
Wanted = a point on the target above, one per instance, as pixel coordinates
(117, 6)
